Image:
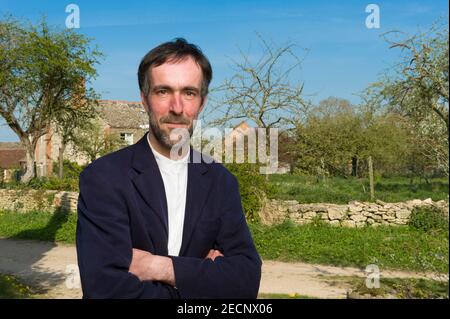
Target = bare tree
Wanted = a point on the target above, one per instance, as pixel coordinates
(418, 87)
(422, 82)
(261, 91)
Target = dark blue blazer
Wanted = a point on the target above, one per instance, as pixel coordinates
(122, 205)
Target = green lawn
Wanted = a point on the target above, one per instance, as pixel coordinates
(309, 189)
(388, 247)
(39, 225)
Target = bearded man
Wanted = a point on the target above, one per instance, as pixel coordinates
(155, 223)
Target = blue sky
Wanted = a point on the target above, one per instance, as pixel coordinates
(343, 55)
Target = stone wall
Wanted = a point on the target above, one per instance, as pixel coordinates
(354, 214)
(37, 200)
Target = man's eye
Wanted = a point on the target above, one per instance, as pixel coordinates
(191, 93)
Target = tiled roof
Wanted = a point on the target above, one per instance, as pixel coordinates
(10, 145)
(123, 114)
(10, 158)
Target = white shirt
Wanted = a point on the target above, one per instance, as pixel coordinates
(174, 175)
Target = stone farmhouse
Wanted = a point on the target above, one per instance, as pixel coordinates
(125, 119)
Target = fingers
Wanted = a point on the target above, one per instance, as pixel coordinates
(210, 254)
(213, 253)
(216, 254)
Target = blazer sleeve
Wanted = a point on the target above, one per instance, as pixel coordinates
(104, 244)
(238, 273)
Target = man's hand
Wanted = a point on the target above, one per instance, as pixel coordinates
(147, 266)
(213, 253)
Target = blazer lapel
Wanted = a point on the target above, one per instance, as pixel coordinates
(198, 187)
(149, 182)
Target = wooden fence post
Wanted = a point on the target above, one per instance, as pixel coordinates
(372, 188)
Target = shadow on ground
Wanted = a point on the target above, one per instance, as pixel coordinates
(24, 259)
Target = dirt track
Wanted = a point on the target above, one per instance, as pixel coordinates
(51, 268)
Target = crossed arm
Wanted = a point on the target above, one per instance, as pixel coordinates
(110, 267)
(147, 266)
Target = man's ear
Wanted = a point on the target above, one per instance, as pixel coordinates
(144, 102)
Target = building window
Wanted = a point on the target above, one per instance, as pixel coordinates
(127, 137)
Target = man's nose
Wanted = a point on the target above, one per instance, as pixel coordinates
(176, 104)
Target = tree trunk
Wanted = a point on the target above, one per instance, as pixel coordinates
(29, 169)
(62, 148)
(354, 166)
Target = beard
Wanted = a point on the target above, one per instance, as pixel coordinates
(178, 134)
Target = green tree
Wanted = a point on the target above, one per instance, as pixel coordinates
(94, 141)
(328, 139)
(337, 138)
(40, 78)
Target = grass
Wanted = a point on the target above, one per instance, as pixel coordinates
(388, 247)
(399, 247)
(399, 288)
(402, 288)
(309, 189)
(12, 288)
(46, 226)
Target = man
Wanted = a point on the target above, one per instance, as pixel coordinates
(154, 223)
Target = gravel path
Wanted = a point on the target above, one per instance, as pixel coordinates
(51, 269)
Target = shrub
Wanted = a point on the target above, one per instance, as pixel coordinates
(71, 169)
(428, 218)
(252, 186)
(54, 183)
(68, 183)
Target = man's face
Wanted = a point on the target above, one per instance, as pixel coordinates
(174, 99)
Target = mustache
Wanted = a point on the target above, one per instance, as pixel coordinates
(174, 119)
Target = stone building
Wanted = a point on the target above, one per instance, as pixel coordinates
(127, 120)
(240, 136)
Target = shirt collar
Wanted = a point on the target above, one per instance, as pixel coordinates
(165, 162)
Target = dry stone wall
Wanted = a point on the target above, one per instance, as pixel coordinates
(37, 200)
(353, 214)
